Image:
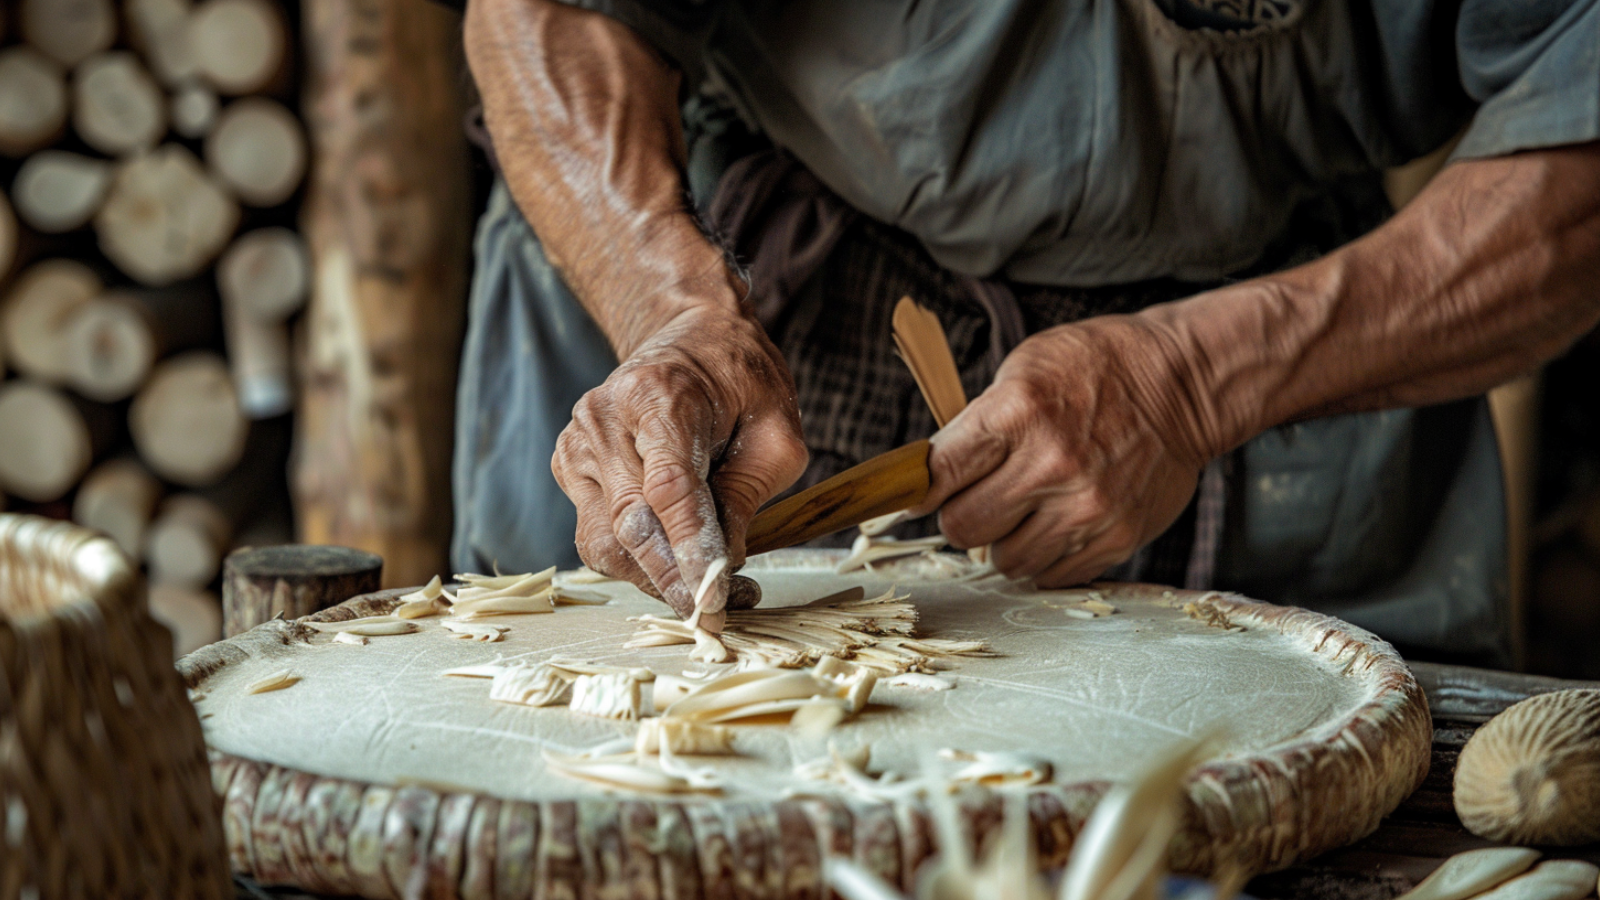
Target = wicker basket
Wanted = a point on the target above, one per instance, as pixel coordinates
(105, 790)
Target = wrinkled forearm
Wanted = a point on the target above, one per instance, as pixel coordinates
(586, 128)
(1488, 273)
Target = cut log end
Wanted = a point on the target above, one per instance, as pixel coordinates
(293, 580)
(186, 420)
(160, 29)
(69, 31)
(267, 273)
(257, 149)
(33, 101)
(187, 542)
(45, 445)
(194, 617)
(238, 45)
(109, 349)
(119, 498)
(117, 107)
(38, 312)
(57, 191)
(194, 110)
(165, 218)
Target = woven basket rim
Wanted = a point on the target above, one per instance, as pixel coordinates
(91, 570)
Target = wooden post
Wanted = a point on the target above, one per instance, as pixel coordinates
(259, 583)
(386, 217)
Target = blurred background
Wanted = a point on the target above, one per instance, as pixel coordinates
(234, 252)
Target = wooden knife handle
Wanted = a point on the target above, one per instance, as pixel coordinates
(884, 484)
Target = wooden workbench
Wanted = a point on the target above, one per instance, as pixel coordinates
(1412, 841)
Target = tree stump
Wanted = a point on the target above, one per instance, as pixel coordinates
(294, 580)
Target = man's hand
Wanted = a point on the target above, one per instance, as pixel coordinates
(1079, 453)
(668, 460)
(672, 456)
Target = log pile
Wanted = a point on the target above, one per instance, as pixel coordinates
(150, 268)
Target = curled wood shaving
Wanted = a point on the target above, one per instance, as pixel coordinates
(476, 632)
(875, 527)
(683, 736)
(1471, 873)
(1203, 611)
(996, 769)
(1554, 879)
(868, 549)
(917, 681)
(706, 581)
(877, 632)
(757, 693)
(612, 695)
(527, 582)
(1123, 846)
(429, 601)
(529, 685)
(708, 647)
(521, 598)
(347, 637)
(623, 775)
(277, 681)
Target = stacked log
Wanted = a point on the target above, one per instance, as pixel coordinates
(149, 276)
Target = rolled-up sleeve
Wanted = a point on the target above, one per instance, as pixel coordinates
(1534, 68)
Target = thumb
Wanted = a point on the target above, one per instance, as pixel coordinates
(963, 452)
(763, 458)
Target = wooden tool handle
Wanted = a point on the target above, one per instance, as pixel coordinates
(884, 484)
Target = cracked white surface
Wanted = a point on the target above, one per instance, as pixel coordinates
(1095, 698)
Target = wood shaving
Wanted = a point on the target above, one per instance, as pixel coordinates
(429, 601)
(623, 775)
(1099, 607)
(683, 736)
(1201, 611)
(708, 647)
(538, 685)
(1473, 872)
(1555, 879)
(277, 681)
(348, 637)
(476, 632)
(527, 582)
(706, 581)
(613, 695)
(868, 549)
(917, 681)
(877, 632)
(996, 769)
(522, 598)
(875, 527)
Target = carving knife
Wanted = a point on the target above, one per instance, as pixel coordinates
(884, 484)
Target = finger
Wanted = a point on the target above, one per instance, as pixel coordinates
(761, 459)
(963, 452)
(675, 491)
(598, 546)
(1087, 565)
(1044, 538)
(639, 532)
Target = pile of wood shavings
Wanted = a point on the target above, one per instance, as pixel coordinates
(879, 633)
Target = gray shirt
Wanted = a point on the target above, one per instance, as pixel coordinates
(1092, 142)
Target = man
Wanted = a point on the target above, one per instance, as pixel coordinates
(1150, 226)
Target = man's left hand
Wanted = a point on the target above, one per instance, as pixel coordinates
(1082, 450)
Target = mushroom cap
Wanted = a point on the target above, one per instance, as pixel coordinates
(1532, 774)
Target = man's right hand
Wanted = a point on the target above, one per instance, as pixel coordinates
(670, 458)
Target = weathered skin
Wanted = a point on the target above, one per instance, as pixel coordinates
(1090, 440)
